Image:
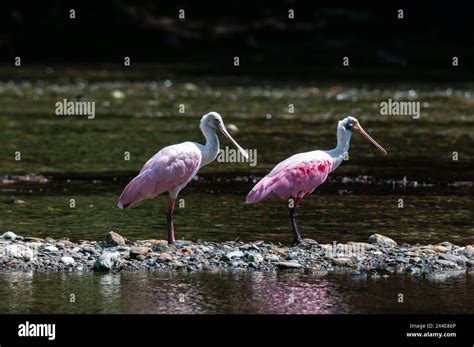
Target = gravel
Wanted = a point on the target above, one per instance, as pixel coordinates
(377, 259)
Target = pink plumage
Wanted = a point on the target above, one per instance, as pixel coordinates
(301, 174)
(169, 169)
(297, 176)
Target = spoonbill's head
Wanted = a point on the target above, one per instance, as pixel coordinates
(213, 121)
(351, 124)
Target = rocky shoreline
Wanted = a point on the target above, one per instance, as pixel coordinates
(380, 256)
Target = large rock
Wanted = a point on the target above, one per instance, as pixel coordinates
(9, 235)
(135, 252)
(114, 239)
(382, 240)
(108, 261)
(19, 252)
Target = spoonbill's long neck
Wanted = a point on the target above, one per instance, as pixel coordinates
(211, 148)
(338, 153)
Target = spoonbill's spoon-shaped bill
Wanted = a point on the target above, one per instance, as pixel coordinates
(357, 127)
(224, 131)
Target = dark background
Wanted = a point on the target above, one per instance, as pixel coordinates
(259, 32)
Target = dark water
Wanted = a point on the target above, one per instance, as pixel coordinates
(231, 293)
(137, 112)
(215, 211)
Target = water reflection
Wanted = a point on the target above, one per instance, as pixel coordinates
(224, 292)
(110, 289)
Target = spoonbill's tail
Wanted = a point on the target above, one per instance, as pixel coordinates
(135, 191)
(261, 191)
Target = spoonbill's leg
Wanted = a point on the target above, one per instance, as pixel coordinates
(169, 220)
(296, 232)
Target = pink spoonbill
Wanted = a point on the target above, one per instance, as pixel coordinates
(171, 169)
(302, 173)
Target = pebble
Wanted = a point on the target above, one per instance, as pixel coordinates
(114, 239)
(68, 260)
(342, 261)
(453, 258)
(156, 255)
(73, 250)
(272, 258)
(361, 245)
(382, 240)
(446, 263)
(138, 251)
(447, 245)
(428, 251)
(51, 248)
(280, 251)
(234, 254)
(358, 275)
(33, 239)
(289, 265)
(440, 249)
(255, 258)
(468, 251)
(165, 257)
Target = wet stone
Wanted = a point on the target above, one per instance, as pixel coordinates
(138, 251)
(289, 265)
(115, 239)
(382, 240)
(342, 261)
(156, 255)
(446, 263)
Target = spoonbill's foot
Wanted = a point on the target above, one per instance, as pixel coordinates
(296, 243)
(304, 243)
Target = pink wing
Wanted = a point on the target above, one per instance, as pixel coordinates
(171, 167)
(295, 177)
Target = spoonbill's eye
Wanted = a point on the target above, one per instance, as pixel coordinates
(349, 125)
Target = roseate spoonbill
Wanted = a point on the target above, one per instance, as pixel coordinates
(171, 169)
(302, 173)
